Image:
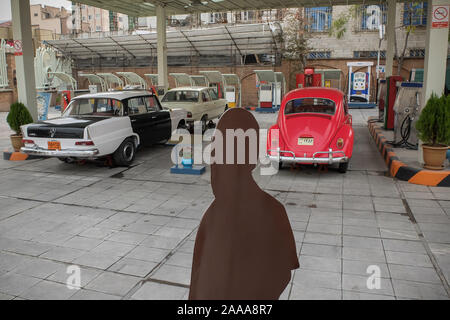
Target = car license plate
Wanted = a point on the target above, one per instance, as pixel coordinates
(54, 145)
(305, 141)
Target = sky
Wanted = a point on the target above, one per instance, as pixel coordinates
(5, 6)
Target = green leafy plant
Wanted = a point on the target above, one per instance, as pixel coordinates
(434, 121)
(18, 116)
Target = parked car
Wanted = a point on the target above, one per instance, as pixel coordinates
(201, 103)
(102, 124)
(314, 127)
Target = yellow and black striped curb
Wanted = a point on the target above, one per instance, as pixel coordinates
(403, 172)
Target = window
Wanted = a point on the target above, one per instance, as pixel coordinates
(181, 96)
(417, 53)
(248, 15)
(98, 28)
(137, 106)
(152, 104)
(213, 94)
(370, 17)
(218, 18)
(369, 54)
(415, 14)
(310, 105)
(84, 18)
(205, 96)
(90, 17)
(35, 14)
(97, 15)
(95, 107)
(318, 19)
(319, 55)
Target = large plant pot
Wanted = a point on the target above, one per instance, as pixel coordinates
(434, 156)
(16, 141)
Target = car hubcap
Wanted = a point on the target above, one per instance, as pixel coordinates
(128, 152)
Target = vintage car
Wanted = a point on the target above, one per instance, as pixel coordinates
(314, 127)
(201, 103)
(102, 124)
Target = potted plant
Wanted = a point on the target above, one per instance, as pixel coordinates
(433, 126)
(18, 116)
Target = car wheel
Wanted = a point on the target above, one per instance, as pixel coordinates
(124, 155)
(343, 166)
(280, 165)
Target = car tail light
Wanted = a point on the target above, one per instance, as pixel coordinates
(340, 143)
(189, 114)
(84, 143)
(27, 141)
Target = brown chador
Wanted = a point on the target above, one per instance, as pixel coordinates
(245, 248)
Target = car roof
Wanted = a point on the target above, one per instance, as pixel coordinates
(118, 95)
(316, 92)
(190, 88)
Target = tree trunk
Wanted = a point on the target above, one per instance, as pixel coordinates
(402, 56)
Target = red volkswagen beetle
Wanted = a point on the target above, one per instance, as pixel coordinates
(314, 127)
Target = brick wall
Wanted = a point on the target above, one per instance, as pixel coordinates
(248, 78)
(8, 96)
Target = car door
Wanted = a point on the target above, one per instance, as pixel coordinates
(207, 105)
(142, 121)
(219, 108)
(161, 120)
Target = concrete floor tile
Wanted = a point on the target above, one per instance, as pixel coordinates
(113, 283)
(158, 291)
(133, 267)
(173, 274)
(302, 292)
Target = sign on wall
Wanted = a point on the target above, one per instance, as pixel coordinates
(18, 47)
(439, 16)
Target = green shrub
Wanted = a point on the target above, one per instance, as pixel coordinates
(18, 116)
(434, 121)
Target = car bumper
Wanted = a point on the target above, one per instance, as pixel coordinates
(330, 159)
(64, 153)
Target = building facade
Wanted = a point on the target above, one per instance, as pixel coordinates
(56, 20)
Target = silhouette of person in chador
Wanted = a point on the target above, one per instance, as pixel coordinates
(245, 248)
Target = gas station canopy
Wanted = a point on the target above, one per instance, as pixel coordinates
(143, 8)
(242, 39)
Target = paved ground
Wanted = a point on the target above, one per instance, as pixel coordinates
(132, 231)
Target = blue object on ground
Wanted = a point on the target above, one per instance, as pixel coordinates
(196, 170)
(267, 110)
(361, 105)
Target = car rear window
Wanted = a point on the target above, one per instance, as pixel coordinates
(310, 105)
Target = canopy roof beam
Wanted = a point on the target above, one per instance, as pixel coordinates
(190, 42)
(125, 49)
(234, 42)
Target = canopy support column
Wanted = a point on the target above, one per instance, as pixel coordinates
(436, 46)
(162, 46)
(26, 84)
(390, 36)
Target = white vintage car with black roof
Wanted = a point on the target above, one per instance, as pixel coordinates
(108, 123)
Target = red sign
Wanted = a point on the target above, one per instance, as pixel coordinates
(18, 47)
(440, 16)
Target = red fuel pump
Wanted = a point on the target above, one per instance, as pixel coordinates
(308, 79)
(66, 97)
(391, 94)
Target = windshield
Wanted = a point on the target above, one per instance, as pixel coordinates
(181, 96)
(310, 105)
(95, 107)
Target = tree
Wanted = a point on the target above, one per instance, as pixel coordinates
(415, 11)
(294, 40)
